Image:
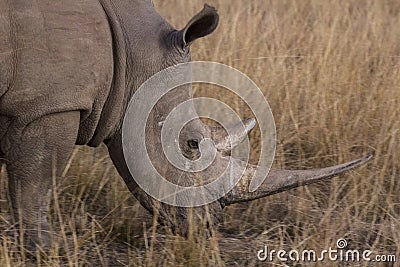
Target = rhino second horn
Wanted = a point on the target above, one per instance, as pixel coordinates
(224, 142)
(281, 180)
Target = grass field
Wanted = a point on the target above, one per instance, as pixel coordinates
(331, 73)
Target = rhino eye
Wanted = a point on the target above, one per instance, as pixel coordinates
(193, 144)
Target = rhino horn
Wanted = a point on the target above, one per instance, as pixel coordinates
(224, 142)
(281, 180)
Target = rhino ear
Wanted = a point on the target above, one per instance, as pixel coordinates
(200, 25)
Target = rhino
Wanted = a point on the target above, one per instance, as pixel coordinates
(67, 74)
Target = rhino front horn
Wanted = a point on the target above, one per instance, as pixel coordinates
(281, 180)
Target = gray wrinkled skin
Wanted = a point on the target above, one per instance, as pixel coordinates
(67, 73)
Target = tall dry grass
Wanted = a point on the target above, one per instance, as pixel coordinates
(331, 73)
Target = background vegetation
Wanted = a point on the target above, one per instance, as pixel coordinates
(331, 73)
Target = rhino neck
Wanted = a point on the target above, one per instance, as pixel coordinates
(138, 32)
(135, 28)
(112, 113)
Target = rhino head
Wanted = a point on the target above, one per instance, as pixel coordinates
(175, 49)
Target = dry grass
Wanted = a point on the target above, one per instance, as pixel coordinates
(331, 73)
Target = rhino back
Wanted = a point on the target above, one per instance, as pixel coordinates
(55, 56)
